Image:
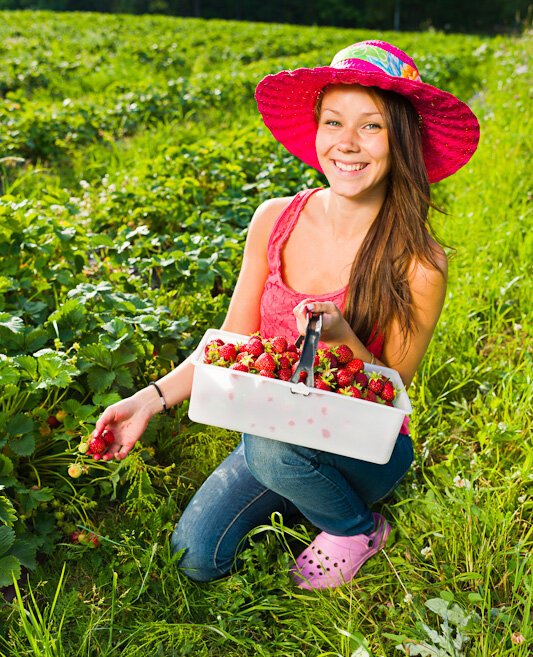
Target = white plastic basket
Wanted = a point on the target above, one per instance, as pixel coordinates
(295, 413)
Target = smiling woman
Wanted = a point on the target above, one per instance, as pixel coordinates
(360, 253)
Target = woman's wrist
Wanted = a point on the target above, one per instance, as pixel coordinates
(149, 401)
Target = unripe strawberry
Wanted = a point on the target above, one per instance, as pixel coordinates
(75, 470)
(45, 430)
(83, 447)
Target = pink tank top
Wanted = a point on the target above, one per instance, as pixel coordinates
(278, 300)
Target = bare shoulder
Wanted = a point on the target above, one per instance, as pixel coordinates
(422, 274)
(265, 217)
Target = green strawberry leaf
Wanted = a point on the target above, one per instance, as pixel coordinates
(7, 538)
(6, 466)
(19, 425)
(9, 570)
(23, 445)
(100, 379)
(12, 323)
(8, 515)
(25, 552)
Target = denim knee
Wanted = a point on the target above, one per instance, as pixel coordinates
(196, 561)
(271, 461)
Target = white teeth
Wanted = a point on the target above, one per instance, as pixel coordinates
(350, 167)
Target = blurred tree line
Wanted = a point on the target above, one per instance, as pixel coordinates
(448, 15)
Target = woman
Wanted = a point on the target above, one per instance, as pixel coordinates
(357, 251)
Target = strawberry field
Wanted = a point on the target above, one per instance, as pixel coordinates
(131, 160)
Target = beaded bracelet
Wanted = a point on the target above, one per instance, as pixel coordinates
(165, 409)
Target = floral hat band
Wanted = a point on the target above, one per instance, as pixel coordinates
(386, 61)
(287, 101)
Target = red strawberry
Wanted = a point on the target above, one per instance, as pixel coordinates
(356, 393)
(344, 377)
(255, 347)
(375, 383)
(303, 375)
(109, 438)
(228, 352)
(291, 356)
(344, 354)
(370, 396)
(330, 356)
(388, 393)
(213, 345)
(355, 365)
(361, 379)
(284, 374)
(97, 445)
(74, 537)
(284, 362)
(279, 345)
(240, 367)
(241, 348)
(266, 362)
(292, 348)
(53, 422)
(268, 373)
(321, 384)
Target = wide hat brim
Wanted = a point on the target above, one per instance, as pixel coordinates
(286, 101)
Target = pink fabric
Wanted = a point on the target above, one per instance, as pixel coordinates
(278, 299)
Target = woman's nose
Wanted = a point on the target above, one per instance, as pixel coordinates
(348, 141)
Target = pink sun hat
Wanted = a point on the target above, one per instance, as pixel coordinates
(286, 101)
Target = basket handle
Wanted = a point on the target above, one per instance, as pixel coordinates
(309, 349)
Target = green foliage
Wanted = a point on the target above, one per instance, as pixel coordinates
(131, 161)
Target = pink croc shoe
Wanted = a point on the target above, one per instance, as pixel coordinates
(331, 561)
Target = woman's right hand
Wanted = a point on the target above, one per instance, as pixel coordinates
(127, 420)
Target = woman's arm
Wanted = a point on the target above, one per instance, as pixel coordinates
(128, 418)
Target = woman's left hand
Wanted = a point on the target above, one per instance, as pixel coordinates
(335, 329)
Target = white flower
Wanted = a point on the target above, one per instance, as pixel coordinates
(84, 184)
(408, 598)
(461, 483)
(426, 552)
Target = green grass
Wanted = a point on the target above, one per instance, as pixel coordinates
(462, 533)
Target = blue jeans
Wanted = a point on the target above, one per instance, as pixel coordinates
(262, 476)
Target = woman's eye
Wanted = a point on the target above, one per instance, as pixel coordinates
(373, 126)
(331, 122)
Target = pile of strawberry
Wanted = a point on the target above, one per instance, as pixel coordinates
(335, 369)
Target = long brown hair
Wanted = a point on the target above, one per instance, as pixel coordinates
(378, 288)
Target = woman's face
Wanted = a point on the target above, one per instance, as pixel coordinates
(352, 143)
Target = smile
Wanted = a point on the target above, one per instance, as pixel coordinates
(357, 166)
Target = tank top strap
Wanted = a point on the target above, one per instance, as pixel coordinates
(284, 225)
